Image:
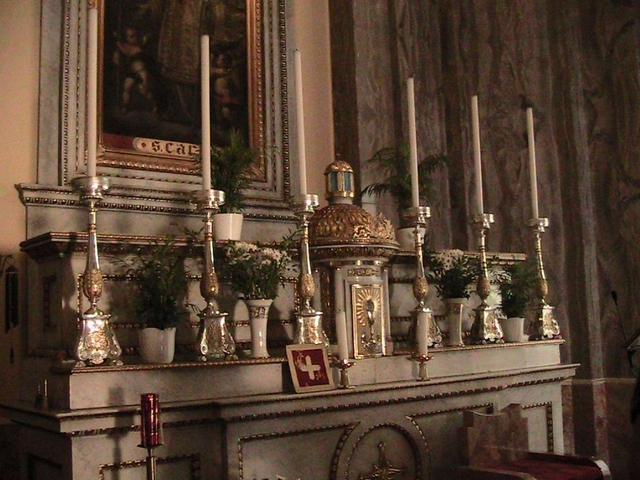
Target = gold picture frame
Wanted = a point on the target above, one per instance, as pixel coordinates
(149, 81)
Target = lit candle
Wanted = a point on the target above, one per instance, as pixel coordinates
(206, 112)
(423, 333)
(300, 122)
(532, 163)
(341, 333)
(150, 434)
(92, 89)
(475, 123)
(413, 143)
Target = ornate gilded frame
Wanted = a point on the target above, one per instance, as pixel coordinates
(152, 184)
(173, 155)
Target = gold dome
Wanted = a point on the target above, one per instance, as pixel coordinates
(346, 230)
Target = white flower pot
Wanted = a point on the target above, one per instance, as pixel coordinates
(227, 226)
(157, 346)
(513, 329)
(258, 318)
(407, 239)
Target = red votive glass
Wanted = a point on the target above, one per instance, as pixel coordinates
(150, 430)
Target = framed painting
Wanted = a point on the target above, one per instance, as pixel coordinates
(151, 81)
(309, 366)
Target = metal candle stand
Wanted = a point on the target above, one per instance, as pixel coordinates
(418, 216)
(214, 340)
(344, 366)
(544, 324)
(308, 320)
(97, 343)
(486, 328)
(150, 430)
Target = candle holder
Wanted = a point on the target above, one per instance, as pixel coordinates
(418, 217)
(214, 340)
(423, 373)
(344, 365)
(308, 320)
(544, 324)
(150, 430)
(97, 343)
(485, 328)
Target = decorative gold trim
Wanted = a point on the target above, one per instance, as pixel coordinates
(548, 406)
(407, 436)
(194, 458)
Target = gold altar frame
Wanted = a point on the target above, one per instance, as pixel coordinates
(170, 156)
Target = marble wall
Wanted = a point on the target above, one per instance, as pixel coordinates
(576, 63)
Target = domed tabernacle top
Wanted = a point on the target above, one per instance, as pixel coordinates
(345, 230)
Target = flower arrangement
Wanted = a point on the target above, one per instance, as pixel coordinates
(255, 272)
(452, 272)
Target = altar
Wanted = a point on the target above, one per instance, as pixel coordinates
(398, 391)
(241, 419)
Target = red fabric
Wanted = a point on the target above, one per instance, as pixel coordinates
(553, 470)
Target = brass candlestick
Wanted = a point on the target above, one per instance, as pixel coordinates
(486, 328)
(150, 430)
(544, 324)
(344, 366)
(214, 340)
(308, 320)
(97, 343)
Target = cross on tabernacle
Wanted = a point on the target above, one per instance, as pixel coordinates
(309, 367)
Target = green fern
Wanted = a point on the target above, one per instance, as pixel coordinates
(393, 165)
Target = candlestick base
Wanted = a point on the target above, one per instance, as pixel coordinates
(214, 340)
(423, 373)
(544, 325)
(486, 328)
(344, 366)
(97, 344)
(309, 329)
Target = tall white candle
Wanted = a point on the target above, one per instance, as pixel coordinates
(413, 143)
(302, 160)
(475, 124)
(205, 76)
(341, 333)
(423, 333)
(92, 90)
(532, 164)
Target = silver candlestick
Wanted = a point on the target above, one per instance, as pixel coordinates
(308, 320)
(544, 324)
(214, 340)
(485, 328)
(97, 343)
(418, 217)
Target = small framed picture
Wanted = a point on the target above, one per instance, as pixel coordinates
(309, 366)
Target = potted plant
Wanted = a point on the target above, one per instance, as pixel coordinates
(159, 300)
(453, 272)
(230, 168)
(516, 284)
(393, 164)
(255, 273)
